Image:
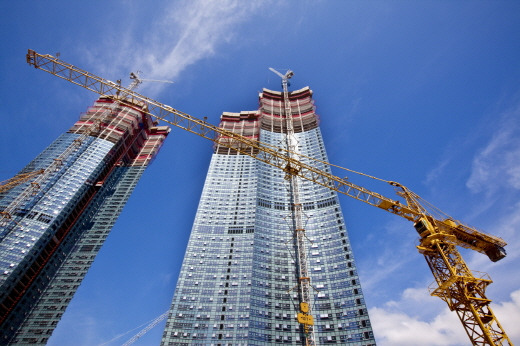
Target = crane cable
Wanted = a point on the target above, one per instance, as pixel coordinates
(323, 162)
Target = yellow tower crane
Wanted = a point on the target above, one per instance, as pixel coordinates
(439, 234)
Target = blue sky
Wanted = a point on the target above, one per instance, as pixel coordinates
(425, 93)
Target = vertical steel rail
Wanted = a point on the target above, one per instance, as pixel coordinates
(297, 222)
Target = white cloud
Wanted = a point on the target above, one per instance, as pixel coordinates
(397, 323)
(439, 169)
(508, 313)
(205, 24)
(506, 226)
(497, 165)
(399, 328)
(384, 264)
(495, 180)
(187, 33)
(494, 166)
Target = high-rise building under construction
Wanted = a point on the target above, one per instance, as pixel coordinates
(53, 227)
(242, 272)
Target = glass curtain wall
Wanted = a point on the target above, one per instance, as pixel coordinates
(238, 282)
(52, 228)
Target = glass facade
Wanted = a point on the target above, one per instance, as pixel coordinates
(238, 283)
(52, 230)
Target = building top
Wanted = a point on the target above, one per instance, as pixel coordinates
(270, 117)
(303, 92)
(244, 115)
(273, 111)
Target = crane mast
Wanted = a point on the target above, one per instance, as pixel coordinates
(305, 315)
(456, 283)
(146, 329)
(439, 233)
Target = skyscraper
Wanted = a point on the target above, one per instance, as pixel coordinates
(53, 228)
(239, 281)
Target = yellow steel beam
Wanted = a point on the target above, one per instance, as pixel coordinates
(18, 179)
(465, 236)
(271, 155)
(465, 293)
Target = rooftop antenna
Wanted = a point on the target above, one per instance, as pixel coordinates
(285, 78)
